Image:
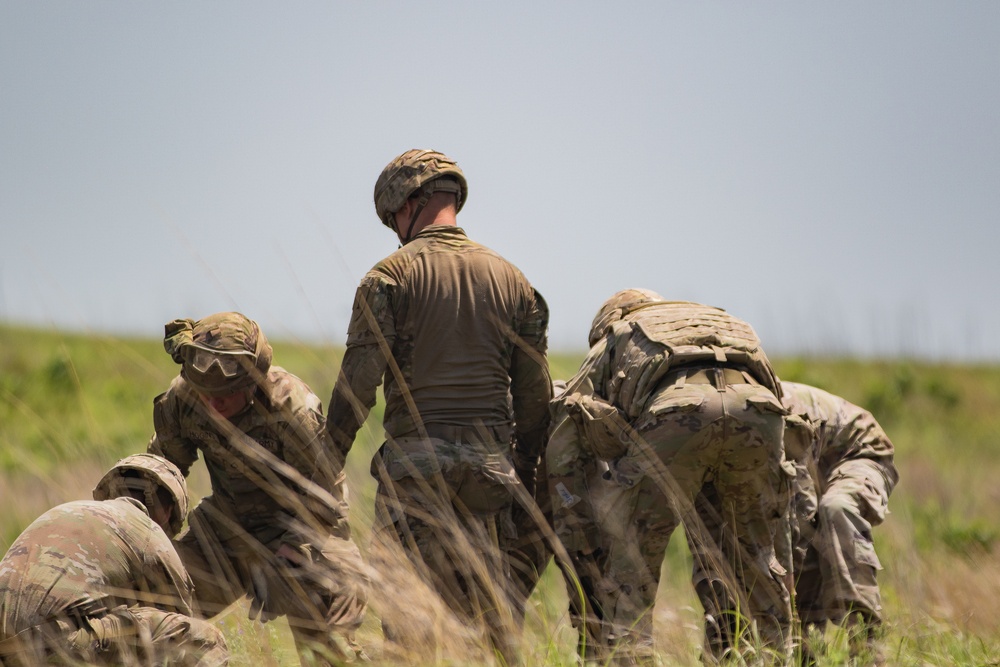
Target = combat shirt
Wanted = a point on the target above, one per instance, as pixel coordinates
(459, 336)
(828, 437)
(275, 446)
(82, 558)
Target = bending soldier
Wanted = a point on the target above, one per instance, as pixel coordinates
(459, 336)
(99, 582)
(275, 526)
(845, 474)
(674, 394)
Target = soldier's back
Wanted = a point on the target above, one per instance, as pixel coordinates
(75, 557)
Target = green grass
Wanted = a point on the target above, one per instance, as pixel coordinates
(70, 405)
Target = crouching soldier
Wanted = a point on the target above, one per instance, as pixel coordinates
(99, 582)
(845, 473)
(275, 525)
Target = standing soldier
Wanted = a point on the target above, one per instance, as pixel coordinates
(845, 473)
(675, 394)
(275, 526)
(98, 582)
(459, 336)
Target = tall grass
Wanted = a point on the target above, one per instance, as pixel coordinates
(71, 404)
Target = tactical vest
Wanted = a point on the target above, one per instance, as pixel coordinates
(655, 338)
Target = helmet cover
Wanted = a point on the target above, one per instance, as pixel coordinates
(416, 170)
(157, 472)
(220, 354)
(617, 307)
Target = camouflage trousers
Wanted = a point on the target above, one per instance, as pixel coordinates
(124, 636)
(577, 487)
(695, 430)
(835, 560)
(444, 504)
(324, 596)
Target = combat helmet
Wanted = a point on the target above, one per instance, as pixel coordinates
(220, 354)
(155, 471)
(617, 307)
(416, 170)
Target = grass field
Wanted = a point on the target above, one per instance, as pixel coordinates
(71, 405)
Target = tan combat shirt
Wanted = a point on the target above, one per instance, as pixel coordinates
(828, 436)
(457, 332)
(270, 466)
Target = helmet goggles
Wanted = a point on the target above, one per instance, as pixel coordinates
(227, 364)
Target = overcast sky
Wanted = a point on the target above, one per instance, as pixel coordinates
(829, 172)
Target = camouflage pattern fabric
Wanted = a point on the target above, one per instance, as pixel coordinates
(274, 483)
(220, 334)
(417, 169)
(579, 484)
(845, 475)
(458, 335)
(99, 582)
(694, 399)
(327, 592)
(157, 473)
(448, 503)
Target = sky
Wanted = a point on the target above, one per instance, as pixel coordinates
(828, 172)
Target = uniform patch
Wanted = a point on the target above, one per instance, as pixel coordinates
(568, 499)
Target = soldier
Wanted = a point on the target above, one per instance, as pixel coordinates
(674, 394)
(844, 476)
(275, 526)
(459, 336)
(98, 582)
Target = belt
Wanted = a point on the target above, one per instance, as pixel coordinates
(455, 433)
(718, 376)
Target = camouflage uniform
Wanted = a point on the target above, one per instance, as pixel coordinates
(845, 475)
(459, 337)
(273, 484)
(578, 483)
(99, 582)
(677, 394)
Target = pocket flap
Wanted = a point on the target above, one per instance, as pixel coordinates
(766, 403)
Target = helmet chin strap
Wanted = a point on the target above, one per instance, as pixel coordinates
(421, 203)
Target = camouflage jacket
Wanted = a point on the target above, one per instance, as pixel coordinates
(827, 437)
(626, 366)
(456, 331)
(270, 466)
(83, 557)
